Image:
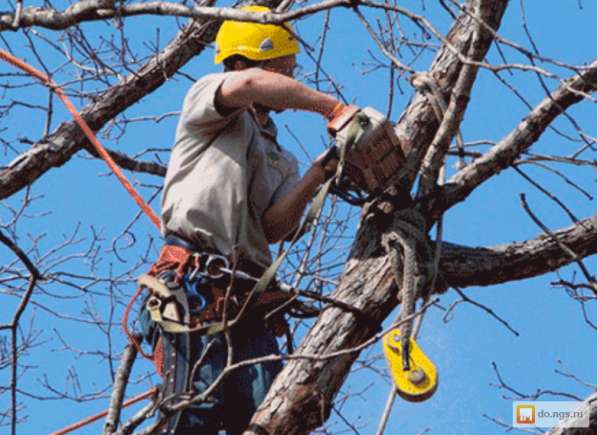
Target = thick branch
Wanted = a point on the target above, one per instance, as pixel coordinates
(452, 118)
(67, 139)
(509, 149)
(466, 266)
(418, 124)
(120, 382)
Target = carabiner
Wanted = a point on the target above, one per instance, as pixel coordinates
(197, 268)
(197, 301)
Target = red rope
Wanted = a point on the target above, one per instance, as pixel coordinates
(102, 414)
(125, 327)
(86, 129)
(6, 56)
(101, 151)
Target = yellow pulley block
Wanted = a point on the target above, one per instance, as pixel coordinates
(419, 381)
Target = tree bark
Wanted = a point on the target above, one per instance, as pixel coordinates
(590, 406)
(465, 266)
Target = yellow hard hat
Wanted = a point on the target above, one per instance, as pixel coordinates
(253, 40)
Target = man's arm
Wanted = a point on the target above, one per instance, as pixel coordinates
(278, 91)
(284, 216)
(270, 89)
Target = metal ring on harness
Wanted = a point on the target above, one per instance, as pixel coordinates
(214, 266)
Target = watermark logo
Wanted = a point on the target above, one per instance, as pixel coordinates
(525, 414)
(550, 414)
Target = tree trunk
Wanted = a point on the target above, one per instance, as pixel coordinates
(300, 398)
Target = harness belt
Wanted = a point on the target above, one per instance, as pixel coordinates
(242, 264)
(196, 291)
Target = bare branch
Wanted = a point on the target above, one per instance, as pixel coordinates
(14, 324)
(453, 115)
(122, 376)
(465, 299)
(505, 153)
(67, 139)
(563, 246)
(93, 10)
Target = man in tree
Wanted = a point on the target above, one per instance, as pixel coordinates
(230, 191)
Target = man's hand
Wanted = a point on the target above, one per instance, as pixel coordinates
(283, 217)
(340, 117)
(327, 162)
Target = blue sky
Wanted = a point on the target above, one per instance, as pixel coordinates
(550, 322)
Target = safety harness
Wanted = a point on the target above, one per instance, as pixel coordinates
(193, 291)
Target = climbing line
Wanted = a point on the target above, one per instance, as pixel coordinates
(6, 56)
(409, 228)
(393, 392)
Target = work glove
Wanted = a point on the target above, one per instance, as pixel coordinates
(340, 117)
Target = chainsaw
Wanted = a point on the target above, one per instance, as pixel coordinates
(370, 153)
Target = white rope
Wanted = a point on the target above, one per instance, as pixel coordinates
(424, 83)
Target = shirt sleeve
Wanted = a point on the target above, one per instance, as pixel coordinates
(199, 109)
(289, 182)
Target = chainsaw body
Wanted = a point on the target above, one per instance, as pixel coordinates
(373, 156)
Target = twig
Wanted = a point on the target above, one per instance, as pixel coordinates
(122, 376)
(14, 324)
(564, 248)
(550, 195)
(534, 396)
(465, 298)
